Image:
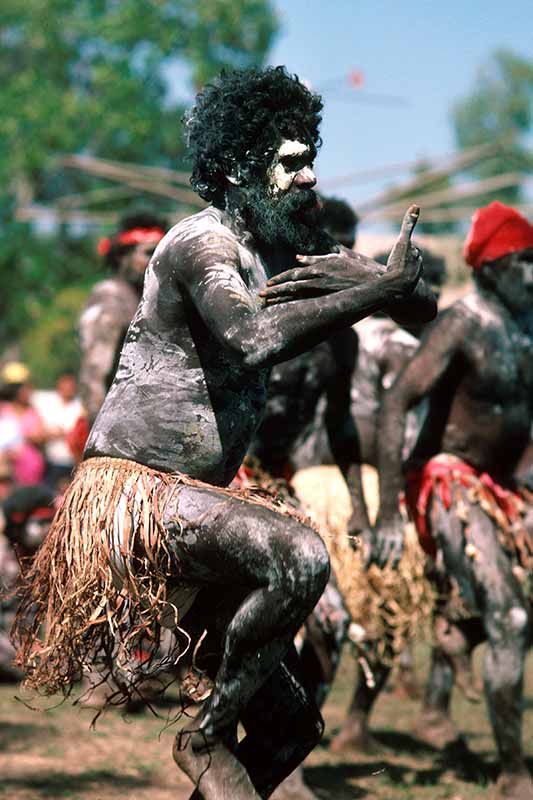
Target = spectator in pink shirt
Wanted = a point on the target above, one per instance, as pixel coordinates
(23, 446)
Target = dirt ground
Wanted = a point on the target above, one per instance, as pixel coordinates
(55, 754)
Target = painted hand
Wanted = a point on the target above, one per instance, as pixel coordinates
(387, 545)
(320, 275)
(405, 260)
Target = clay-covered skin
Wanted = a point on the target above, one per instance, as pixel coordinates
(103, 325)
(190, 387)
(295, 390)
(188, 395)
(475, 366)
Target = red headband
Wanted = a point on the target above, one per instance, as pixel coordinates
(496, 231)
(133, 236)
(44, 512)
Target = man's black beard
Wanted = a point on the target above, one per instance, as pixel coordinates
(290, 221)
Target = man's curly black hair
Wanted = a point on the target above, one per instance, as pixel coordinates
(240, 119)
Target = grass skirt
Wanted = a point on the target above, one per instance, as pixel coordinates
(390, 606)
(103, 583)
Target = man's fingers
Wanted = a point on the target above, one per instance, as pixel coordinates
(408, 225)
(296, 274)
(294, 289)
(289, 287)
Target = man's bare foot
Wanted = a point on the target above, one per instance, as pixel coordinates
(435, 728)
(216, 773)
(294, 788)
(354, 735)
(514, 786)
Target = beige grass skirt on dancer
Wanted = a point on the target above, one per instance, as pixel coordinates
(103, 584)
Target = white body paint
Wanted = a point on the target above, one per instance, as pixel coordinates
(281, 178)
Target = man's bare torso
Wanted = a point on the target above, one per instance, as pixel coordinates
(180, 399)
(480, 410)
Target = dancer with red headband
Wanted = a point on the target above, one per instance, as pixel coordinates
(475, 366)
(113, 302)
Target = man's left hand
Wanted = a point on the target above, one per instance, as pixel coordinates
(320, 275)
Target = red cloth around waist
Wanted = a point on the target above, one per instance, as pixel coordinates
(247, 475)
(437, 475)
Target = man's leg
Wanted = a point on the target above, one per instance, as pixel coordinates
(487, 582)
(433, 724)
(282, 723)
(354, 734)
(326, 630)
(325, 633)
(282, 567)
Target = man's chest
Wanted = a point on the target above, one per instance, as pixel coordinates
(500, 361)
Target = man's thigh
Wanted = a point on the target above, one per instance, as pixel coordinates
(218, 538)
(469, 545)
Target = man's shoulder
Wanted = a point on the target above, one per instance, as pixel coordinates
(205, 226)
(110, 290)
(475, 309)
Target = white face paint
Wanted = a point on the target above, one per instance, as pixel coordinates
(281, 174)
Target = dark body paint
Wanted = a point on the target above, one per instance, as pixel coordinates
(188, 395)
(295, 390)
(475, 366)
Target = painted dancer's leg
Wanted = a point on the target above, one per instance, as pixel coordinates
(282, 723)
(433, 724)
(326, 631)
(487, 582)
(355, 734)
(282, 567)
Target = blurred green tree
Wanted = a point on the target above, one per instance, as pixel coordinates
(499, 109)
(96, 77)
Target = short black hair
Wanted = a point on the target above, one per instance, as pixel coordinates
(134, 218)
(337, 214)
(240, 119)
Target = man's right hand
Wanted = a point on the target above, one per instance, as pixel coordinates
(405, 260)
(387, 544)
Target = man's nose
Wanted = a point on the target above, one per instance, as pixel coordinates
(305, 178)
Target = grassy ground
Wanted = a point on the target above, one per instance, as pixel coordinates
(56, 754)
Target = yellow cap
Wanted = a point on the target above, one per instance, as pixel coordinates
(15, 372)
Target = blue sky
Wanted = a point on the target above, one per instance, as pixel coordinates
(427, 55)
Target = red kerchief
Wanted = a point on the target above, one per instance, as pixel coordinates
(496, 231)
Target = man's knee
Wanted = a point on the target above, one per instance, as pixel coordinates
(510, 625)
(312, 564)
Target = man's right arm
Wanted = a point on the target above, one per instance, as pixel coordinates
(101, 328)
(428, 365)
(263, 336)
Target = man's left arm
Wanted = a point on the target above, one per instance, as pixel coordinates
(319, 275)
(344, 440)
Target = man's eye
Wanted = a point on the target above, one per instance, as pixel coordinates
(294, 164)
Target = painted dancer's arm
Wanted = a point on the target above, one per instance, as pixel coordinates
(343, 436)
(101, 330)
(320, 275)
(263, 336)
(419, 377)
